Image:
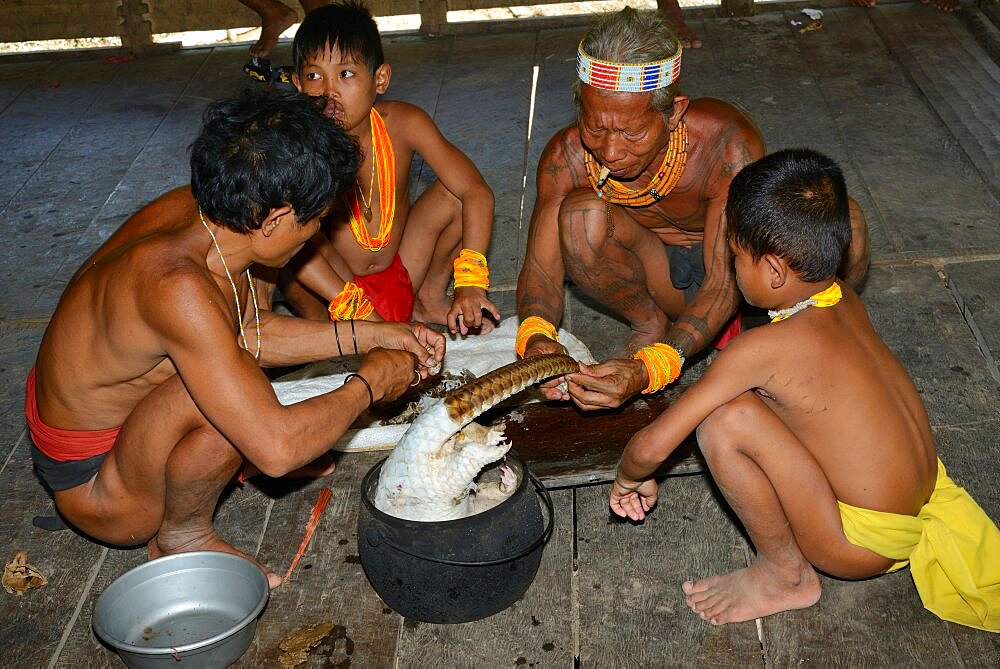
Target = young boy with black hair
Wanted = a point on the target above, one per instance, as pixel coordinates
(378, 256)
(812, 429)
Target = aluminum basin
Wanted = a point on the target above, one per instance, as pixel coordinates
(196, 609)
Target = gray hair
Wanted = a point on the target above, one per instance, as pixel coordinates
(630, 36)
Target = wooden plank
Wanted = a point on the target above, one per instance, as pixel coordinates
(878, 622)
(565, 446)
(329, 585)
(555, 57)
(914, 313)
(464, 117)
(418, 69)
(956, 76)
(758, 65)
(31, 626)
(536, 631)
(976, 288)
(162, 161)
(15, 78)
(628, 579)
(50, 19)
(898, 165)
(71, 185)
(44, 112)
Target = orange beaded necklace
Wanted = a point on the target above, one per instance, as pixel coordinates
(385, 159)
(658, 188)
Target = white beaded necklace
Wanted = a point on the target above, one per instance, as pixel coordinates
(236, 295)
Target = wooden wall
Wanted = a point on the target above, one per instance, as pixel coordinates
(136, 21)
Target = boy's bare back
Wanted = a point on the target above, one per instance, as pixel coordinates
(829, 377)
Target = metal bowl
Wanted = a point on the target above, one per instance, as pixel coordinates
(199, 609)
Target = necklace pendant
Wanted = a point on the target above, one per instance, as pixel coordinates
(367, 211)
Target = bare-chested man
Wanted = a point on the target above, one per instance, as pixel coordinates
(630, 206)
(148, 395)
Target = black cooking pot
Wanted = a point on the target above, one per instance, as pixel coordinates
(455, 571)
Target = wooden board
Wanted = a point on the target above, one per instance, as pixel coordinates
(959, 79)
(631, 606)
(564, 446)
(976, 289)
(899, 145)
(329, 585)
(483, 110)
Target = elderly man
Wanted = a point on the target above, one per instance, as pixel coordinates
(630, 206)
(147, 395)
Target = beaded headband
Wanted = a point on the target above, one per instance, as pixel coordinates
(627, 77)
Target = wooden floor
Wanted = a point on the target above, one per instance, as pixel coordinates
(903, 96)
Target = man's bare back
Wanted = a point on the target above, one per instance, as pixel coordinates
(99, 357)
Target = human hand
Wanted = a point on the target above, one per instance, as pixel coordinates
(632, 499)
(467, 309)
(608, 384)
(423, 342)
(389, 372)
(554, 388)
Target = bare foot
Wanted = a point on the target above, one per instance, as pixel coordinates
(274, 21)
(433, 309)
(750, 593)
(178, 542)
(321, 466)
(670, 10)
(944, 5)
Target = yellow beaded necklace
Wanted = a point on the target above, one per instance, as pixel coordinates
(385, 158)
(236, 295)
(824, 298)
(658, 188)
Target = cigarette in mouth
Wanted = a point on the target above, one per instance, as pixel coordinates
(603, 176)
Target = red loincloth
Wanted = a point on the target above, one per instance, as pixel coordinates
(390, 291)
(729, 332)
(64, 445)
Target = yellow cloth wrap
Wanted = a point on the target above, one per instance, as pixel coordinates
(952, 546)
(350, 304)
(471, 270)
(663, 365)
(528, 328)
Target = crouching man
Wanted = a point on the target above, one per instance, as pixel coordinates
(147, 395)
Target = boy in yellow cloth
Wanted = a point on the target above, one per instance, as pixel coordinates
(812, 429)
(378, 257)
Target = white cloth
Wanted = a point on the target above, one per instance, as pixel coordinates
(475, 354)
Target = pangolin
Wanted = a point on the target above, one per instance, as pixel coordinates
(430, 474)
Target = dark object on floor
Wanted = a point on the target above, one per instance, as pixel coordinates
(53, 523)
(259, 69)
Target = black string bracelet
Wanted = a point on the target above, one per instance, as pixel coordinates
(371, 396)
(336, 331)
(354, 335)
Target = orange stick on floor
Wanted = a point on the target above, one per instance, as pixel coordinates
(317, 511)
